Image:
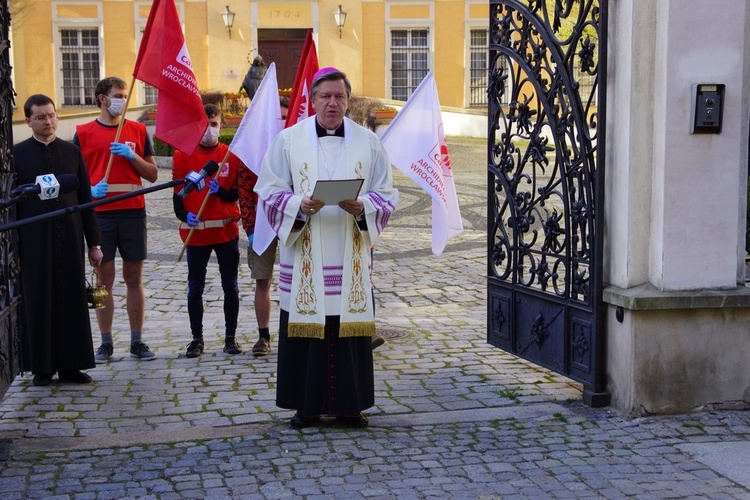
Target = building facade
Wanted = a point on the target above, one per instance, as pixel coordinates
(63, 47)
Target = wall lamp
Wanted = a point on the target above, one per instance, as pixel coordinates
(228, 17)
(340, 17)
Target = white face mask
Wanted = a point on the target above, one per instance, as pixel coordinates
(116, 106)
(211, 135)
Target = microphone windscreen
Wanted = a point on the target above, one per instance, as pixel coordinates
(210, 168)
(68, 183)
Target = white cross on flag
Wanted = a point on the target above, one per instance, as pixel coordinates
(416, 145)
(300, 106)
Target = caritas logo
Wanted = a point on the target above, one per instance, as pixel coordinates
(184, 58)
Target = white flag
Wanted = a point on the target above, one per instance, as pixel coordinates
(259, 126)
(261, 123)
(415, 141)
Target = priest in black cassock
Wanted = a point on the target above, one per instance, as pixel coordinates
(326, 322)
(55, 326)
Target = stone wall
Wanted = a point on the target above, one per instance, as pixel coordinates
(678, 320)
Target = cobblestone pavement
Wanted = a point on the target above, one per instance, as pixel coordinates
(454, 416)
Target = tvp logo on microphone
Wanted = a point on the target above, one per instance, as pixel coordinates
(49, 188)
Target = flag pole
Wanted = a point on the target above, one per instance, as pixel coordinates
(203, 206)
(119, 129)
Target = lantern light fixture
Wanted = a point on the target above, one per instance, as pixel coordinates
(339, 16)
(228, 17)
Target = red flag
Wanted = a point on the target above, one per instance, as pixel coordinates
(163, 61)
(300, 106)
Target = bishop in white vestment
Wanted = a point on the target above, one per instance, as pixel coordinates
(325, 353)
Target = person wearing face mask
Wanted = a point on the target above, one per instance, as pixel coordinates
(122, 223)
(215, 231)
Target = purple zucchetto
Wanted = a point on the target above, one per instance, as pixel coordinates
(323, 72)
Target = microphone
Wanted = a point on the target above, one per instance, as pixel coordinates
(47, 186)
(197, 180)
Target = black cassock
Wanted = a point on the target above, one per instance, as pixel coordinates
(56, 326)
(333, 376)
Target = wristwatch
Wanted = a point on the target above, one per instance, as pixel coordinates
(98, 247)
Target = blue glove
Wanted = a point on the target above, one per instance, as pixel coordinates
(100, 190)
(250, 238)
(192, 219)
(213, 186)
(121, 149)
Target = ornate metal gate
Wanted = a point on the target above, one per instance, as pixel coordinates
(546, 98)
(10, 340)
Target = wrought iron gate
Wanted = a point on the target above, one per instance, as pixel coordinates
(10, 340)
(546, 86)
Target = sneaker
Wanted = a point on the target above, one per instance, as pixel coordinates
(194, 348)
(231, 346)
(140, 350)
(261, 348)
(104, 353)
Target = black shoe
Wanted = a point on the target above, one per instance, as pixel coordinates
(231, 346)
(74, 377)
(299, 421)
(377, 341)
(358, 421)
(194, 348)
(42, 379)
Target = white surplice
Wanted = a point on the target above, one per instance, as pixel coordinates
(325, 264)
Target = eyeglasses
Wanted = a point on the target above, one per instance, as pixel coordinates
(44, 118)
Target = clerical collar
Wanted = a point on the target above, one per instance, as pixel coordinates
(42, 142)
(339, 132)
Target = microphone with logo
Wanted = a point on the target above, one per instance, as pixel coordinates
(197, 180)
(47, 186)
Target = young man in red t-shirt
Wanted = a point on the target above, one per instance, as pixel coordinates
(123, 223)
(215, 231)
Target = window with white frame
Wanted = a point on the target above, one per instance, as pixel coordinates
(79, 56)
(479, 71)
(410, 56)
(148, 93)
(478, 55)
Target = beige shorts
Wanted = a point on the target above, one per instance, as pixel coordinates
(261, 266)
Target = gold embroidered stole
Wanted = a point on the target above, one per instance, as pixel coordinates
(307, 305)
